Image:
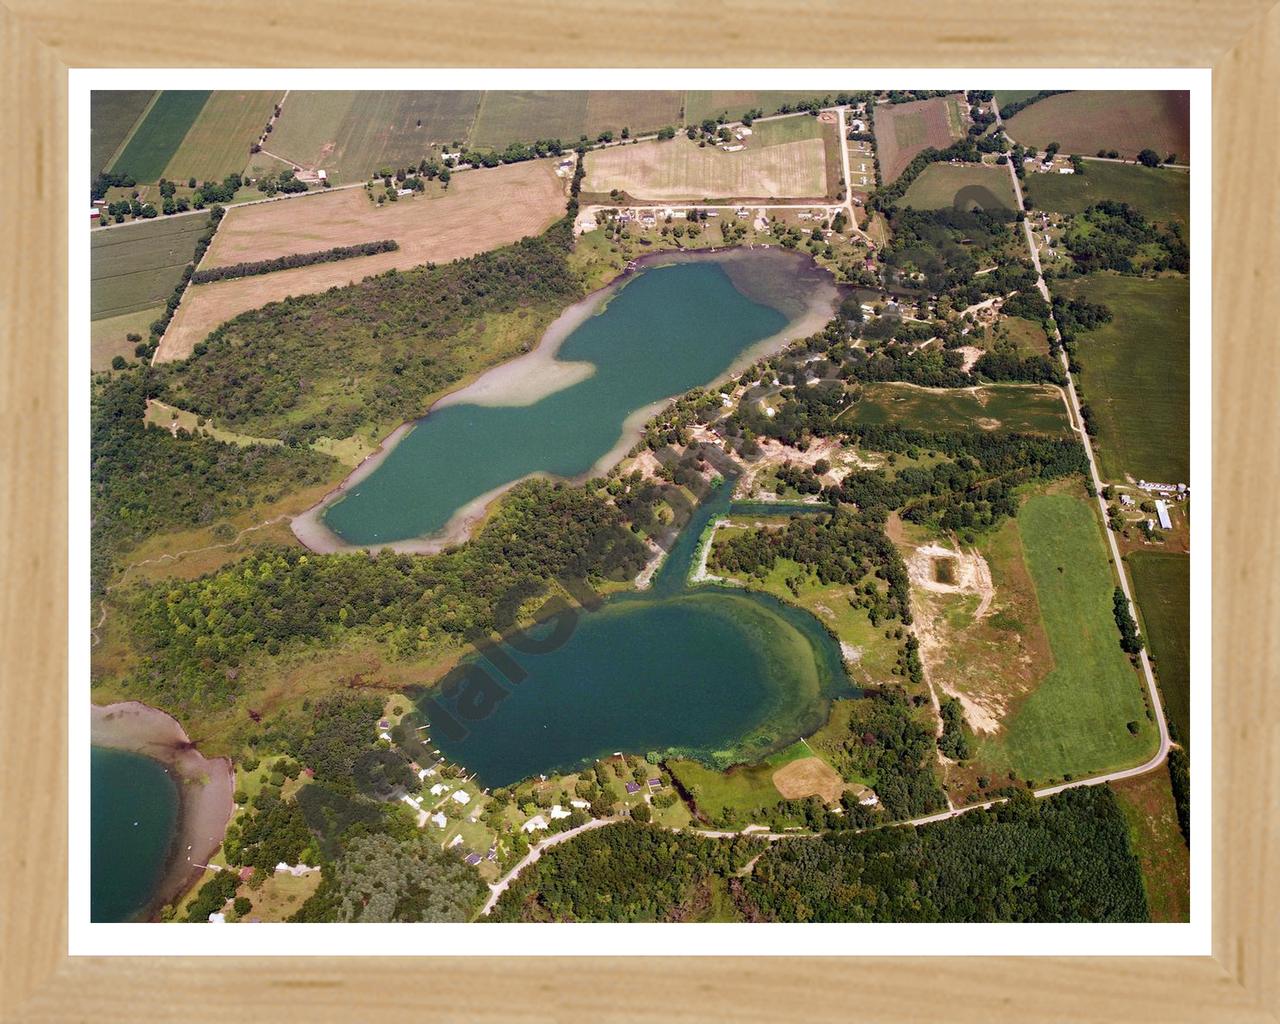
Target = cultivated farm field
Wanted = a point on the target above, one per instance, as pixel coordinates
(157, 138)
(962, 186)
(699, 105)
(1162, 195)
(1086, 121)
(905, 129)
(108, 336)
(137, 266)
(112, 115)
(506, 117)
(1076, 719)
(1137, 375)
(217, 144)
(352, 134)
(1162, 585)
(1015, 407)
(481, 209)
(679, 169)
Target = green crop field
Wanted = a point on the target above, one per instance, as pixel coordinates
(1075, 721)
(161, 132)
(905, 129)
(1162, 585)
(1128, 122)
(217, 144)
(506, 117)
(1137, 375)
(1162, 195)
(699, 105)
(112, 115)
(138, 265)
(1029, 409)
(352, 134)
(964, 186)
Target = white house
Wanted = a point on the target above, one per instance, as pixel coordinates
(439, 820)
(534, 824)
(558, 812)
(439, 788)
(321, 175)
(462, 796)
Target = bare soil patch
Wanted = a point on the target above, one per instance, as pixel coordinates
(481, 210)
(905, 129)
(809, 776)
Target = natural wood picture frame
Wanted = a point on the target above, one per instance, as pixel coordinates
(39, 41)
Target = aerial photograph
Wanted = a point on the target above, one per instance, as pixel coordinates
(638, 506)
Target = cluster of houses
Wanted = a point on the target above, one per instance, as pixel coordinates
(740, 134)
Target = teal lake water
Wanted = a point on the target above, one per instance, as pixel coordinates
(706, 671)
(134, 812)
(670, 328)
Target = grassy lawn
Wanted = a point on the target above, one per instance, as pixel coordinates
(1086, 121)
(992, 407)
(1075, 722)
(965, 185)
(137, 266)
(112, 115)
(161, 132)
(217, 144)
(1027, 335)
(743, 790)
(1161, 195)
(280, 896)
(108, 336)
(1147, 803)
(1162, 589)
(1005, 97)
(1137, 375)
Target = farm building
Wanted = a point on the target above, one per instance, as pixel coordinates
(321, 175)
(1162, 513)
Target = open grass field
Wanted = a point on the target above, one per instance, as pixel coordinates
(158, 137)
(743, 788)
(1149, 811)
(352, 134)
(480, 210)
(1027, 335)
(1162, 195)
(1137, 375)
(1162, 590)
(1032, 409)
(905, 129)
(136, 266)
(1075, 721)
(217, 144)
(108, 335)
(1086, 121)
(699, 105)
(962, 186)
(679, 169)
(112, 115)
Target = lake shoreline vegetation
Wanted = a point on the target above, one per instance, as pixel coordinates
(310, 670)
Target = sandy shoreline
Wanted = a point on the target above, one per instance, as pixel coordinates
(536, 374)
(205, 787)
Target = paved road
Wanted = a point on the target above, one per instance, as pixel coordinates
(1074, 408)
(848, 178)
(499, 887)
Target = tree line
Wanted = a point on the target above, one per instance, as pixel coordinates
(292, 261)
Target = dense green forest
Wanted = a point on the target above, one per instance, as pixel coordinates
(624, 872)
(1066, 858)
(145, 480)
(370, 354)
(190, 633)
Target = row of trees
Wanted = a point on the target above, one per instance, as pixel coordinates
(292, 261)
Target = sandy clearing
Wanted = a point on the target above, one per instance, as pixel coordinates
(809, 776)
(482, 209)
(970, 571)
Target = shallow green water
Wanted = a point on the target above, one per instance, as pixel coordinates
(134, 811)
(709, 672)
(670, 328)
